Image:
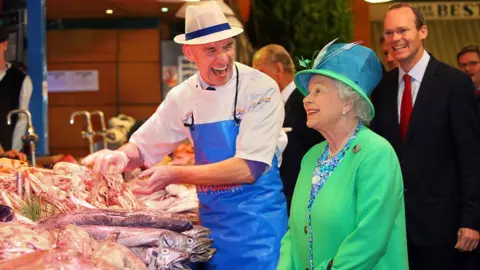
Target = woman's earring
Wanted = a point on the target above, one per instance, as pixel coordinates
(343, 113)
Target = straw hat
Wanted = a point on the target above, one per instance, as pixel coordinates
(206, 23)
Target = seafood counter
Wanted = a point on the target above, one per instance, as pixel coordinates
(70, 218)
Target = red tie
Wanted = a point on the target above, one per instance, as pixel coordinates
(406, 107)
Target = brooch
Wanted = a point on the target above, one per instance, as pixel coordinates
(356, 148)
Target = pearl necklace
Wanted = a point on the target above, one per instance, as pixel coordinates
(345, 140)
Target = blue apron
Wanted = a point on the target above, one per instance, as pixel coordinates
(247, 221)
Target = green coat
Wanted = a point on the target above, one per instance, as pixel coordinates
(358, 218)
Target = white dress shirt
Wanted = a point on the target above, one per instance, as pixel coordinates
(416, 74)
(24, 102)
(259, 107)
(287, 91)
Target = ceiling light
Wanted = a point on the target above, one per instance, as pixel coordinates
(109, 11)
(164, 9)
(225, 8)
(377, 1)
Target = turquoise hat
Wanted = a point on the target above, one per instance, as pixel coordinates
(356, 66)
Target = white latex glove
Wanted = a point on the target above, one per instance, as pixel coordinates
(158, 178)
(107, 162)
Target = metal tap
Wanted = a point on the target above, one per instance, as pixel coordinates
(102, 133)
(30, 138)
(88, 133)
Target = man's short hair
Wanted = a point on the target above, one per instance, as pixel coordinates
(419, 18)
(467, 49)
(277, 54)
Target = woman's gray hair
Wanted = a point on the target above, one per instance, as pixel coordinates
(360, 106)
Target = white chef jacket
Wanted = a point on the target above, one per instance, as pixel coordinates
(259, 106)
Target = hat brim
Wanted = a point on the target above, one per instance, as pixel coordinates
(209, 38)
(303, 77)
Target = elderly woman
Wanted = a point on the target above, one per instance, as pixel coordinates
(348, 209)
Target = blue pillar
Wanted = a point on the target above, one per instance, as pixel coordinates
(37, 69)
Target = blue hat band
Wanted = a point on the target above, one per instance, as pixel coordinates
(207, 31)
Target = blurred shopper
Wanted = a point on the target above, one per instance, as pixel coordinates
(275, 61)
(15, 93)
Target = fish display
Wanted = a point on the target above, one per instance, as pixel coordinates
(120, 218)
(137, 236)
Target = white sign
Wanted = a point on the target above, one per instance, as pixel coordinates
(72, 80)
(186, 69)
(434, 10)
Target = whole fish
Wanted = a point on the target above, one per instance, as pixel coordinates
(6, 213)
(118, 256)
(149, 219)
(197, 232)
(145, 253)
(166, 258)
(149, 237)
(204, 257)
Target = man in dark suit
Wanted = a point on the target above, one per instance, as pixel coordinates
(469, 62)
(275, 61)
(390, 62)
(426, 110)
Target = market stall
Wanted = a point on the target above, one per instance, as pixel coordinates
(69, 216)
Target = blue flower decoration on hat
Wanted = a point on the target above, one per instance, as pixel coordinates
(356, 66)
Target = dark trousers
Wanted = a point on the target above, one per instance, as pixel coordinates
(441, 258)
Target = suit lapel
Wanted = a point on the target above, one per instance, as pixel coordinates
(392, 81)
(427, 88)
(291, 101)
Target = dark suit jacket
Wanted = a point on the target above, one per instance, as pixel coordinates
(300, 140)
(477, 98)
(440, 158)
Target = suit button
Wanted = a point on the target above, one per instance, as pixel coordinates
(405, 190)
(305, 229)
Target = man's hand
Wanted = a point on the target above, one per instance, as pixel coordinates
(107, 162)
(13, 154)
(467, 239)
(158, 178)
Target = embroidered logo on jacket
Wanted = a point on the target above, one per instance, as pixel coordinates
(261, 101)
(214, 189)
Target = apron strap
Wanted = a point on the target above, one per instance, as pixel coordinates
(191, 125)
(237, 121)
(235, 118)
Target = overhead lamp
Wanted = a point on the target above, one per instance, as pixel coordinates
(224, 7)
(109, 11)
(164, 9)
(227, 11)
(377, 1)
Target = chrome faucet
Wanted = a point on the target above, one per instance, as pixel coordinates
(88, 133)
(102, 133)
(30, 138)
